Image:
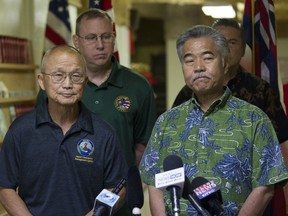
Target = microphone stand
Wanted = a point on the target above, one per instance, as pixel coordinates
(175, 201)
(100, 211)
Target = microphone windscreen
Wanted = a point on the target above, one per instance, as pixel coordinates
(197, 182)
(172, 162)
(135, 197)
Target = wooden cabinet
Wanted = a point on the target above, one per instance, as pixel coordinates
(20, 80)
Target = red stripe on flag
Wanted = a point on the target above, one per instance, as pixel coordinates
(107, 5)
(53, 36)
(58, 28)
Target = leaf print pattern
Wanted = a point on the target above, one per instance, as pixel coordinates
(247, 147)
(234, 143)
(264, 129)
(150, 161)
(231, 120)
(207, 131)
(173, 115)
(157, 125)
(190, 170)
(235, 169)
(183, 153)
(271, 157)
(253, 116)
(230, 208)
(191, 211)
(241, 122)
(233, 104)
(164, 142)
(193, 119)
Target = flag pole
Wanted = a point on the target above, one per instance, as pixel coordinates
(253, 36)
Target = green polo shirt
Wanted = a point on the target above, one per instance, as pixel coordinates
(126, 101)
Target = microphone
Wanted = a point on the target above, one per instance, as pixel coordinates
(172, 179)
(106, 200)
(209, 194)
(119, 186)
(135, 197)
(189, 194)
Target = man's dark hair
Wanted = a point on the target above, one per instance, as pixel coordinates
(230, 23)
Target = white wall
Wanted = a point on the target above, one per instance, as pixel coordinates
(174, 77)
(14, 18)
(39, 17)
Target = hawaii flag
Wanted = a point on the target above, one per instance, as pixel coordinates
(259, 24)
(58, 28)
(106, 5)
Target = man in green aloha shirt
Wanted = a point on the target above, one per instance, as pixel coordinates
(218, 136)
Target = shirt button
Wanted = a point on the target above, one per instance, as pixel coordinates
(96, 102)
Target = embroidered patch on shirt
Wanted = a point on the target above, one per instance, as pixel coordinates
(122, 103)
(85, 147)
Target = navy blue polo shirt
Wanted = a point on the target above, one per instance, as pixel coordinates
(60, 174)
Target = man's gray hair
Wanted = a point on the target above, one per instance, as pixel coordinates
(200, 31)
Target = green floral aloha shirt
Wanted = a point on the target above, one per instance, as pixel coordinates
(233, 143)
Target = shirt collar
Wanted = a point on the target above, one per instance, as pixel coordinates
(216, 104)
(83, 122)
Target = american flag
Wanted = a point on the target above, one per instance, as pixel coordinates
(259, 24)
(106, 5)
(58, 28)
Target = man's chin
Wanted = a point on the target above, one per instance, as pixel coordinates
(68, 101)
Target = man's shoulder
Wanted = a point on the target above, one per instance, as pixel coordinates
(242, 104)
(27, 120)
(128, 72)
(247, 76)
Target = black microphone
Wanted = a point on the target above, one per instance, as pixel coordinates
(135, 197)
(209, 194)
(173, 162)
(106, 200)
(189, 194)
(100, 211)
(119, 186)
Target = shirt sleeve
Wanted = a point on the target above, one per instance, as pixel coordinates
(268, 166)
(146, 115)
(9, 162)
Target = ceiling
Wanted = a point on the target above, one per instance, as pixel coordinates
(281, 6)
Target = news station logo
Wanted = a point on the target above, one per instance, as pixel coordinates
(171, 177)
(107, 197)
(206, 189)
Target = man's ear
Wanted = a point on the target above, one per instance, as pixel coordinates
(40, 80)
(75, 41)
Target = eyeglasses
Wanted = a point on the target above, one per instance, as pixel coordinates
(92, 38)
(59, 77)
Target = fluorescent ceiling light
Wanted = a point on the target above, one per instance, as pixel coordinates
(219, 11)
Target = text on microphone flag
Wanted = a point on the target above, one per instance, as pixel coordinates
(206, 189)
